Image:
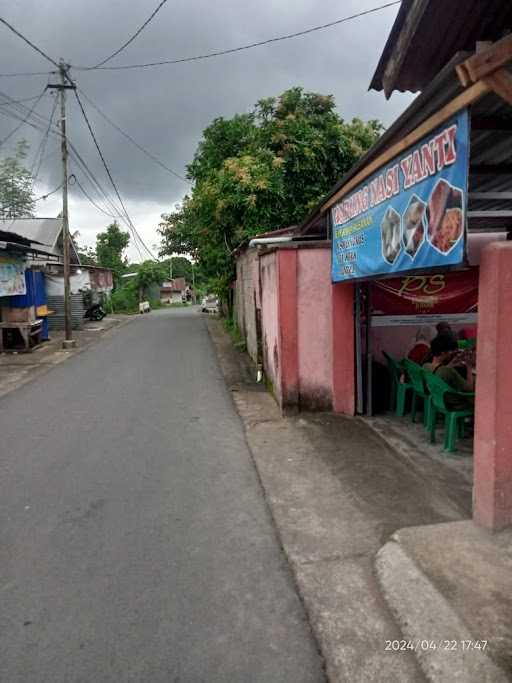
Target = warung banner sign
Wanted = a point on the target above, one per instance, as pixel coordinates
(410, 215)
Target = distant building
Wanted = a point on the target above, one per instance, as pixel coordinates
(173, 291)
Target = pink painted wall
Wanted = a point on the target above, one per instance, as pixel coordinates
(269, 320)
(343, 342)
(314, 322)
(492, 490)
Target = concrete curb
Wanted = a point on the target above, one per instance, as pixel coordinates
(430, 625)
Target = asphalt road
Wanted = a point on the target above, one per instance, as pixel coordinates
(135, 542)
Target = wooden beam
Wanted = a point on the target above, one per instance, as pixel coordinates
(486, 62)
(472, 94)
(489, 214)
(501, 82)
(499, 196)
(491, 169)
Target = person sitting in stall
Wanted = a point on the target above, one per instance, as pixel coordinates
(445, 358)
(443, 330)
(421, 347)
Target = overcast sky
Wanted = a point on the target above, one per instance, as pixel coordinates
(166, 108)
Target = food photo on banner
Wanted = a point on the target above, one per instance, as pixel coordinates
(409, 215)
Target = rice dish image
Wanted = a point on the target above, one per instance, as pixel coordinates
(414, 227)
(390, 235)
(445, 217)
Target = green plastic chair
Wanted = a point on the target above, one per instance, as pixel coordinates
(419, 389)
(398, 389)
(453, 419)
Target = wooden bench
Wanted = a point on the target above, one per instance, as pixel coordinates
(30, 333)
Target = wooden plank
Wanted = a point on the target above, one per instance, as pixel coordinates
(463, 74)
(475, 92)
(484, 63)
(490, 195)
(501, 82)
(490, 214)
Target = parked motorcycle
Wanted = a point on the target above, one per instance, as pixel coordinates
(95, 312)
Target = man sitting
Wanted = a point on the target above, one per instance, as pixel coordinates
(445, 358)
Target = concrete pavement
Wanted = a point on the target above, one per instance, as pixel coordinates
(337, 492)
(135, 542)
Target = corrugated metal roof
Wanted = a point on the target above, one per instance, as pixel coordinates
(42, 230)
(46, 231)
(489, 147)
(427, 33)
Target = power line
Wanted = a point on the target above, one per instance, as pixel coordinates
(42, 146)
(16, 129)
(25, 99)
(45, 196)
(28, 42)
(110, 175)
(91, 200)
(219, 53)
(134, 142)
(19, 114)
(26, 73)
(130, 40)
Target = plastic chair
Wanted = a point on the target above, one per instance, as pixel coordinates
(399, 389)
(419, 390)
(453, 419)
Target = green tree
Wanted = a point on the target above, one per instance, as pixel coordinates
(258, 172)
(86, 254)
(110, 247)
(149, 273)
(16, 193)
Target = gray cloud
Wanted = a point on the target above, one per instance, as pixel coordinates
(166, 108)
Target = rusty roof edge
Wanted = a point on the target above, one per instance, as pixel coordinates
(392, 41)
(445, 78)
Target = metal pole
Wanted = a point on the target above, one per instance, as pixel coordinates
(68, 335)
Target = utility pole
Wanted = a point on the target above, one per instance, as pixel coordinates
(170, 268)
(65, 84)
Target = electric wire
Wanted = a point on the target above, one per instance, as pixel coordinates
(89, 198)
(45, 196)
(28, 42)
(135, 233)
(42, 146)
(26, 73)
(232, 50)
(130, 40)
(134, 142)
(16, 129)
(25, 99)
(19, 113)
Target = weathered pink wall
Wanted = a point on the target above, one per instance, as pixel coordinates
(269, 321)
(492, 490)
(247, 299)
(314, 321)
(343, 364)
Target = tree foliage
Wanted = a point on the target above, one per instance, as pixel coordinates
(258, 172)
(110, 247)
(16, 193)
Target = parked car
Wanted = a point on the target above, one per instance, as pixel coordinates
(210, 304)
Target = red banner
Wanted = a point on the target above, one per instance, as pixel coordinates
(455, 292)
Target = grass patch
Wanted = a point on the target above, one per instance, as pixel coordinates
(234, 332)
